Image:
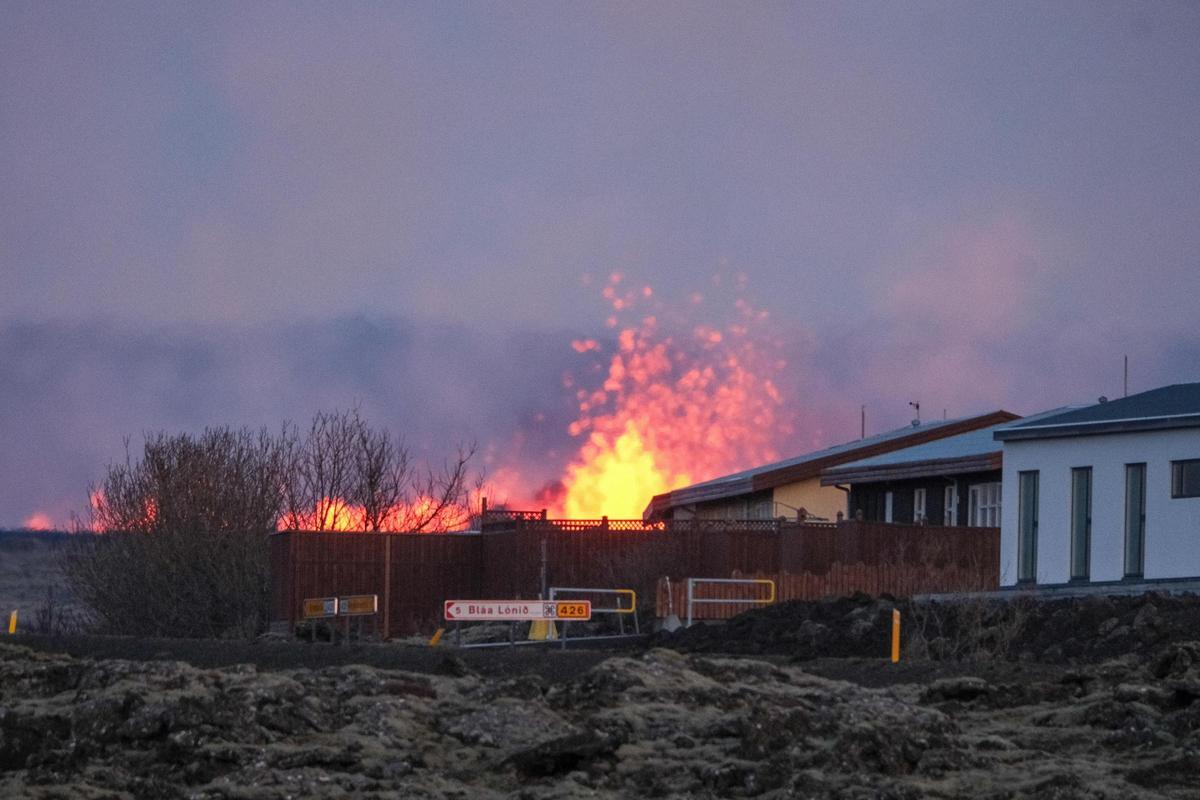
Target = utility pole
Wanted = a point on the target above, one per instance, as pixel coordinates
(862, 422)
(1126, 377)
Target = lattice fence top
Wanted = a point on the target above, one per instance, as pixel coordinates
(528, 521)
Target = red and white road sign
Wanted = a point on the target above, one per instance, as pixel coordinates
(516, 610)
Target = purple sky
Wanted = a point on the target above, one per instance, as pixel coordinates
(233, 214)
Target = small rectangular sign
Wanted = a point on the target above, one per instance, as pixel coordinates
(357, 605)
(319, 607)
(516, 610)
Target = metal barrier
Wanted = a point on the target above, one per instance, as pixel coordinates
(619, 610)
(692, 600)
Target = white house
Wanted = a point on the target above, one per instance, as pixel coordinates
(1109, 492)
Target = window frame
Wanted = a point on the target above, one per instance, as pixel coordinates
(1177, 471)
(1140, 572)
(950, 505)
(978, 508)
(1027, 534)
(1081, 524)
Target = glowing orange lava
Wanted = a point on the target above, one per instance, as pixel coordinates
(39, 522)
(672, 410)
(335, 514)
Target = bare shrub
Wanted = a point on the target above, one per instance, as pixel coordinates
(185, 545)
(184, 551)
(965, 629)
(344, 475)
(55, 618)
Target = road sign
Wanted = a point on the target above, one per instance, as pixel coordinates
(358, 605)
(516, 610)
(320, 607)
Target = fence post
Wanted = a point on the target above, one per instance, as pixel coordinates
(387, 584)
(895, 635)
(689, 602)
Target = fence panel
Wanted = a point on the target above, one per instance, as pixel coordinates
(414, 573)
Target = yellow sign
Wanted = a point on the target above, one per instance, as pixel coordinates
(574, 610)
(12, 623)
(320, 607)
(358, 605)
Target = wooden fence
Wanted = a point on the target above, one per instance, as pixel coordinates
(414, 573)
(840, 580)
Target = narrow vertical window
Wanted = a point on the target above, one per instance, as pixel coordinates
(1081, 523)
(918, 505)
(1135, 520)
(1027, 525)
(887, 507)
(950, 506)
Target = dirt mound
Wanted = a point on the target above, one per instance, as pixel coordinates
(663, 724)
(1068, 630)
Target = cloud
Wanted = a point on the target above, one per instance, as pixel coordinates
(72, 392)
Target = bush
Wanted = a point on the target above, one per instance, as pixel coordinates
(184, 550)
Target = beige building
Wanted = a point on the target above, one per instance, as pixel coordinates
(784, 488)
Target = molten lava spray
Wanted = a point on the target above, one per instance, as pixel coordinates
(679, 403)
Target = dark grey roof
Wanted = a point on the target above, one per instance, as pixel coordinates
(810, 465)
(973, 451)
(1176, 406)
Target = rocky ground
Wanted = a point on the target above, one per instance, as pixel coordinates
(1050, 708)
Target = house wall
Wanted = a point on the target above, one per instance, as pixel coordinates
(756, 505)
(818, 500)
(870, 497)
(1172, 525)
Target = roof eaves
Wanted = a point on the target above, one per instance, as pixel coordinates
(914, 469)
(814, 468)
(800, 469)
(1098, 427)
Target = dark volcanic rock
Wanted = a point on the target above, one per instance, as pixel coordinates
(660, 723)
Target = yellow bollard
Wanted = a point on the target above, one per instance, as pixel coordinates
(895, 635)
(12, 623)
(437, 637)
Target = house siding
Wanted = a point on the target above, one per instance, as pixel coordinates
(870, 497)
(757, 505)
(1172, 544)
(818, 500)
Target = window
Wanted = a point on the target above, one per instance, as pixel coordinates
(1081, 523)
(887, 507)
(1185, 478)
(918, 505)
(984, 511)
(1135, 520)
(950, 505)
(1027, 526)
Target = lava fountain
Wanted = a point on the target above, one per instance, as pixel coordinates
(679, 402)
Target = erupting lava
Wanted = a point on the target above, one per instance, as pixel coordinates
(673, 409)
(39, 522)
(335, 514)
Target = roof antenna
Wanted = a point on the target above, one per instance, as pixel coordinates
(917, 405)
(1126, 377)
(862, 423)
